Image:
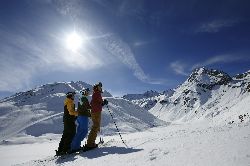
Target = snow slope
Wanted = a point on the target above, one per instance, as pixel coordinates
(208, 94)
(174, 145)
(205, 122)
(39, 111)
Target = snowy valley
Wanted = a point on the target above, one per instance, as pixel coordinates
(204, 121)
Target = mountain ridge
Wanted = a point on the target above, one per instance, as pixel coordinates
(39, 111)
(205, 94)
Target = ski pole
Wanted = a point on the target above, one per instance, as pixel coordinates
(117, 127)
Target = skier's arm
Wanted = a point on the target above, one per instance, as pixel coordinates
(86, 107)
(86, 104)
(99, 99)
(96, 99)
(105, 102)
(71, 108)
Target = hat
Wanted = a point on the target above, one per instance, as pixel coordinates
(98, 84)
(70, 94)
(85, 90)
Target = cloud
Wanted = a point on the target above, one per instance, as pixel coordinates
(183, 69)
(142, 43)
(25, 53)
(221, 59)
(16, 67)
(113, 44)
(24, 57)
(15, 78)
(122, 51)
(71, 8)
(132, 8)
(179, 68)
(216, 25)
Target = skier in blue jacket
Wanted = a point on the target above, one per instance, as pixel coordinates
(81, 121)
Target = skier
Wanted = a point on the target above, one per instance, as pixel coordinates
(96, 105)
(69, 124)
(81, 121)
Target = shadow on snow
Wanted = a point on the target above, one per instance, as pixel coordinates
(99, 152)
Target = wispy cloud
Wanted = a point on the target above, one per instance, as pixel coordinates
(179, 68)
(132, 8)
(221, 59)
(23, 57)
(216, 25)
(185, 69)
(16, 67)
(14, 78)
(123, 52)
(70, 8)
(142, 43)
(113, 43)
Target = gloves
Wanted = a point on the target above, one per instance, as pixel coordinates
(105, 102)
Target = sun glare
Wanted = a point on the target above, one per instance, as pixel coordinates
(74, 41)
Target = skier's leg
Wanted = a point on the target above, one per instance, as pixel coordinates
(82, 131)
(96, 118)
(84, 127)
(61, 144)
(76, 142)
(71, 130)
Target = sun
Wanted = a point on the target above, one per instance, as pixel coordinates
(74, 41)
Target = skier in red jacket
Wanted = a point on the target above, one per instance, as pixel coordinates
(96, 105)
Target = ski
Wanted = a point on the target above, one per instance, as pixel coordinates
(83, 149)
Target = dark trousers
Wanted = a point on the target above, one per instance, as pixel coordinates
(68, 134)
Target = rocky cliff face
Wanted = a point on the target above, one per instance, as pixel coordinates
(209, 78)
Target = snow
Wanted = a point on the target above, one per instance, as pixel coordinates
(204, 121)
(148, 99)
(219, 103)
(173, 145)
(39, 111)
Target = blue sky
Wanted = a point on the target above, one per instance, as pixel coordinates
(130, 45)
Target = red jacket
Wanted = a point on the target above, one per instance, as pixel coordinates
(96, 102)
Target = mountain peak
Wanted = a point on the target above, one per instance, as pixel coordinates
(200, 70)
(245, 75)
(209, 76)
(147, 94)
(43, 92)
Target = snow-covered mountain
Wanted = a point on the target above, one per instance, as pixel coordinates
(148, 99)
(147, 94)
(211, 102)
(45, 92)
(39, 111)
(208, 94)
